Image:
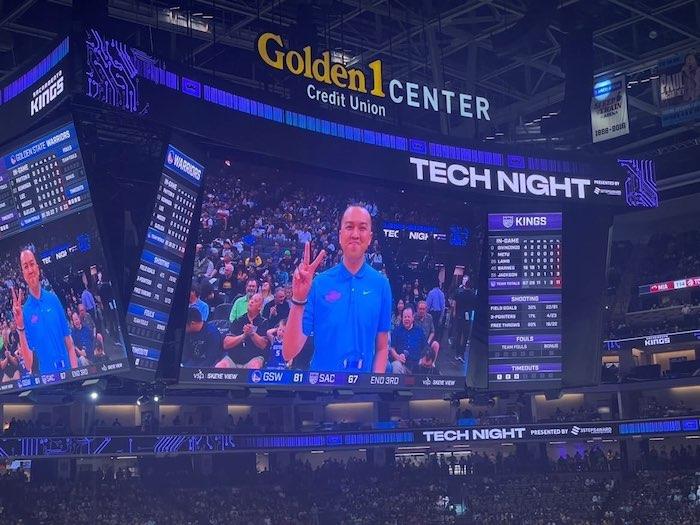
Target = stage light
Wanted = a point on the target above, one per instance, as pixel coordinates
(94, 395)
(228, 163)
(156, 398)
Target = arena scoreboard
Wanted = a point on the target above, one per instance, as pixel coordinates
(161, 259)
(41, 182)
(525, 298)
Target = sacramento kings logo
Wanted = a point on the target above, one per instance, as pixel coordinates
(256, 376)
(313, 377)
(171, 159)
(13, 160)
(508, 221)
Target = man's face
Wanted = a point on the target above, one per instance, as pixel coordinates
(228, 271)
(82, 311)
(355, 232)
(422, 309)
(193, 297)
(279, 296)
(30, 268)
(254, 305)
(251, 287)
(76, 321)
(193, 327)
(407, 318)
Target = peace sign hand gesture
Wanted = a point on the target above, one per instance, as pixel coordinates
(17, 300)
(304, 274)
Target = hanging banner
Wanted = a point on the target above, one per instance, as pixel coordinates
(679, 89)
(609, 118)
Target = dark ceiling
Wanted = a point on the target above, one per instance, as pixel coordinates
(517, 53)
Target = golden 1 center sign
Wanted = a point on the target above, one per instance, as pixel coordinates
(354, 82)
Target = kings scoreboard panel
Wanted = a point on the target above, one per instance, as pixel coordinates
(161, 259)
(525, 299)
(42, 181)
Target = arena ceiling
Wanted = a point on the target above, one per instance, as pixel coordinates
(514, 52)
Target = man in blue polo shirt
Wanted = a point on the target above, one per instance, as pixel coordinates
(43, 329)
(346, 309)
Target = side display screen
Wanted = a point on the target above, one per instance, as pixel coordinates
(302, 280)
(58, 313)
(161, 259)
(525, 298)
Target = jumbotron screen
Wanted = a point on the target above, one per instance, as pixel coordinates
(304, 279)
(160, 264)
(58, 314)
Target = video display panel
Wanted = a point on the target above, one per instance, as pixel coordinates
(58, 311)
(304, 279)
(525, 299)
(160, 264)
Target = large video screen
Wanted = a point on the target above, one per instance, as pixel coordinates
(58, 310)
(303, 279)
(160, 264)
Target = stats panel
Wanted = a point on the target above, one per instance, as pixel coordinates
(161, 258)
(525, 299)
(55, 277)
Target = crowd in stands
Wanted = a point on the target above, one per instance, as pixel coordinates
(251, 239)
(664, 257)
(685, 317)
(650, 407)
(582, 413)
(358, 493)
(669, 256)
(86, 296)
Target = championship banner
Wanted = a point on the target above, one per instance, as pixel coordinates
(679, 89)
(609, 117)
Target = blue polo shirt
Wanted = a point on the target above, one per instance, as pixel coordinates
(203, 309)
(410, 343)
(46, 329)
(344, 314)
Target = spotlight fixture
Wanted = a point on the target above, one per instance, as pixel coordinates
(94, 395)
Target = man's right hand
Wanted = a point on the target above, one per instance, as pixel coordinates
(304, 274)
(17, 300)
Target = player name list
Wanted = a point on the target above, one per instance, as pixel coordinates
(160, 265)
(48, 185)
(525, 299)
